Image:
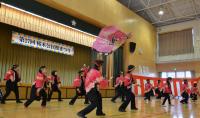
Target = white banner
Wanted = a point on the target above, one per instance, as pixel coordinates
(35, 42)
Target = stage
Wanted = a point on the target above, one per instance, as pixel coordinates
(56, 109)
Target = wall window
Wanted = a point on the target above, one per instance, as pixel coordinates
(177, 74)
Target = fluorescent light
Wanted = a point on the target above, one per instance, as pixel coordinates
(161, 12)
(45, 18)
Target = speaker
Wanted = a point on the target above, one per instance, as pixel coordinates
(132, 47)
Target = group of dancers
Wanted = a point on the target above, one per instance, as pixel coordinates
(87, 84)
(42, 87)
(164, 90)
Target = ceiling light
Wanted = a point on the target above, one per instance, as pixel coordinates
(161, 12)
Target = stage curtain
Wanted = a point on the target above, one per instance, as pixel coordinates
(178, 42)
(43, 26)
(118, 63)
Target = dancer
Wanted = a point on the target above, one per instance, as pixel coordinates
(93, 79)
(167, 91)
(148, 90)
(185, 92)
(194, 92)
(12, 77)
(119, 87)
(85, 70)
(130, 97)
(158, 89)
(38, 89)
(80, 88)
(54, 82)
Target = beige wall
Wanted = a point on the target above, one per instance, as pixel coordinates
(111, 12)
(180, 66)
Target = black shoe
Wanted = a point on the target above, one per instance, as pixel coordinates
(3, 102)
(122, 110)
(81, 115)
(101, 114)
(18, 102)
(134, 108)
(71, 103)
(113, 101)
(60, 100)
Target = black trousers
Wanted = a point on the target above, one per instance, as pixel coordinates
(167, 97)
(11, 86)
(159, 93)
(54, 89)
(130, 97)
(193, 96)
(119, 93)
(95, 99)
(147, 96)
(83, 93)
(185, 96)
(1, 95)
(33, 96)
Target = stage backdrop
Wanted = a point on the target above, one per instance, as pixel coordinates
(30, 59)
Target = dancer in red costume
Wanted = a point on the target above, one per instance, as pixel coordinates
(79, 83)
(185, 92)
(130, 96)
(148, 90)
(54, 82)
(12, 77)
(119, 87)
(38, 89)
(194, 92)
(167, 91)
(93, 79)
(159, 90)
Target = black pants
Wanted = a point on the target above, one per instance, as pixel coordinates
(167, 97)
(83, 93)
(147, 96)
(159, 93)
(54, 89)
(193, 96)
(1, 95)
(11, 86)
(33, 96)
(95, 99)
(130, 97)
(185, 96)
(119, 93)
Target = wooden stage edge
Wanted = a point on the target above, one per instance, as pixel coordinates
(67, 92)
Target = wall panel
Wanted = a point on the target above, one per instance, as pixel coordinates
(30, 59)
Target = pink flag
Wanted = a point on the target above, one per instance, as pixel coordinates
(109, 39)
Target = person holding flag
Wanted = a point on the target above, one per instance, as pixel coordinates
(94, 77)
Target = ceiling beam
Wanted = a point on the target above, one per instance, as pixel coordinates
(154, 17)
(184, 16)
(194, 7)
(157, 5)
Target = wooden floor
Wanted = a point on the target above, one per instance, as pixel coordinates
(62, 110)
